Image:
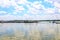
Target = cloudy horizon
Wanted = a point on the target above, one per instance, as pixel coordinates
(29, 9)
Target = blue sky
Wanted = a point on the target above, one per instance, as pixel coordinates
(29, 9)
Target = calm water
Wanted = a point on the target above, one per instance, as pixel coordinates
(29, 31)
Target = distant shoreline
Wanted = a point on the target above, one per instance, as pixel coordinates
(28, 21)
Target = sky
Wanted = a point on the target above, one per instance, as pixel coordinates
(29, 9)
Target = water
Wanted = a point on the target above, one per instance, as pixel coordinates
(29, 31)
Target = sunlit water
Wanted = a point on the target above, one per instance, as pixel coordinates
(29, 31)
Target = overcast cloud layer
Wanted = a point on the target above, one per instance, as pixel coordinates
(29, 9)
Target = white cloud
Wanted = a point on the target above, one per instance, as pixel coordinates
(58, 10)
(33, 8)
(5, 3)
(38, 8)
(21, 1)
(3, 12)
(13, 3)
(13, 17)
(37, 5)
(28, 17)
(50, 1)
(19, 8)
(9, 17)
(49, 11)
(54, 0)
(57, 16)
(56, 4)
(32, 11)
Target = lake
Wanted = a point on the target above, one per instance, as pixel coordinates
(30, 31)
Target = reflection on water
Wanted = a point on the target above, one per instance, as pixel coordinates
(29, 31)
